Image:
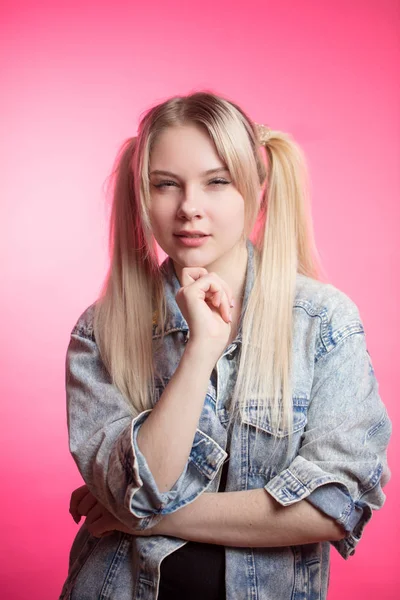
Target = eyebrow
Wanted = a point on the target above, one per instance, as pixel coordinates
(209, 172)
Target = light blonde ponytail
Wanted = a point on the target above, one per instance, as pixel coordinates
(285, 247)
(124, 311)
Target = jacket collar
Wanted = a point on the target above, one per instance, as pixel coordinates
(174, 318)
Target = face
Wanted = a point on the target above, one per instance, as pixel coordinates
(197, 216)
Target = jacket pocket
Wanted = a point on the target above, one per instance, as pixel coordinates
(267, 447)
(254, 415)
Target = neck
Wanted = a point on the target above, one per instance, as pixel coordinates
(232, 269)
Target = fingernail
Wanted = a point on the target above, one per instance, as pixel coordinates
(232, 303)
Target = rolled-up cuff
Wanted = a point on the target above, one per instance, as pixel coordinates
(336, 502)
(298, 481)
(305, 480)
(204, 462)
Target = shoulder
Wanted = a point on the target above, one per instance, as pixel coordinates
(84, 325)
(337, 313)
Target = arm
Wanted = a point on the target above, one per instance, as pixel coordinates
(341, 466)
(103, 433)
(102, 439)
(249, 518)
(166, 437)
(329, 490)
(241, 519)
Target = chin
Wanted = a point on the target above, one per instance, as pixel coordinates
(193, 263)
(193, 260)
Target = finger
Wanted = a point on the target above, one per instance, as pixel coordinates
(191, 274)
(222, 299)
(217, 293)
(86, 504)
(216, 298)
(210, 288)
(227, 291)
(97, 531)
(102, 525)
(222, 304)
(94, 514)
(203, 288)
(208, 284)
(97, 528)
(225, 309)
(227, 304)
(75, 499)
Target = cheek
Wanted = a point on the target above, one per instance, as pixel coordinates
(160, 215)
(231, 217)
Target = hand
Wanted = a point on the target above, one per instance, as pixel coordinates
(99, 521)
(81, 502)
(205, 301)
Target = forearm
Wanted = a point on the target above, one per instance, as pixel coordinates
(166, 437)
(249, 519)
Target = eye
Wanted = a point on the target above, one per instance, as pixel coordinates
(220, 181)
(164, 184)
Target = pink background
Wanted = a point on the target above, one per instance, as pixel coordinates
(75, 78)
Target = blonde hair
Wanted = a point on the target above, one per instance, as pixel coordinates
(283, 240)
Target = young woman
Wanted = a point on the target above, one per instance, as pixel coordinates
(222, 407)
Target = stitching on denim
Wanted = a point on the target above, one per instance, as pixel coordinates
(372, 482)
(322, 355)
(120, 552)
(207, 469)
(372, 430)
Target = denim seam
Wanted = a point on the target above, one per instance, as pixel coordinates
(373, 481)
(321, 354)
(212, 471)
(334, 338)
(122, 549)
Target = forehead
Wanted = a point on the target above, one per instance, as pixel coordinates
(184, 148)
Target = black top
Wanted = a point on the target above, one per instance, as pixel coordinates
(195, 571)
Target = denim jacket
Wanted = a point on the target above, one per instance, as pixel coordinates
(337, 459)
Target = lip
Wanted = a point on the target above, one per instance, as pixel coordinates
(185, 239)
(191, 232)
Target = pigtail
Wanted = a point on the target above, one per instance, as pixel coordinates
(285, 247)
(124, 311)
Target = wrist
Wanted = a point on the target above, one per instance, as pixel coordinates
(185, 522)
(201, 354)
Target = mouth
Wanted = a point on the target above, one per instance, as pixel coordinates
(191, 235)
(191, 239)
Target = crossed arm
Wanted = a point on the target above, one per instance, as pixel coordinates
(241, 519)
(354, 435)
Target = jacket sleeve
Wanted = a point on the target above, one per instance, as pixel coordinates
(341, 466)
(102, 439)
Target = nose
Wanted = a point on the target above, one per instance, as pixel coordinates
(190, 206)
